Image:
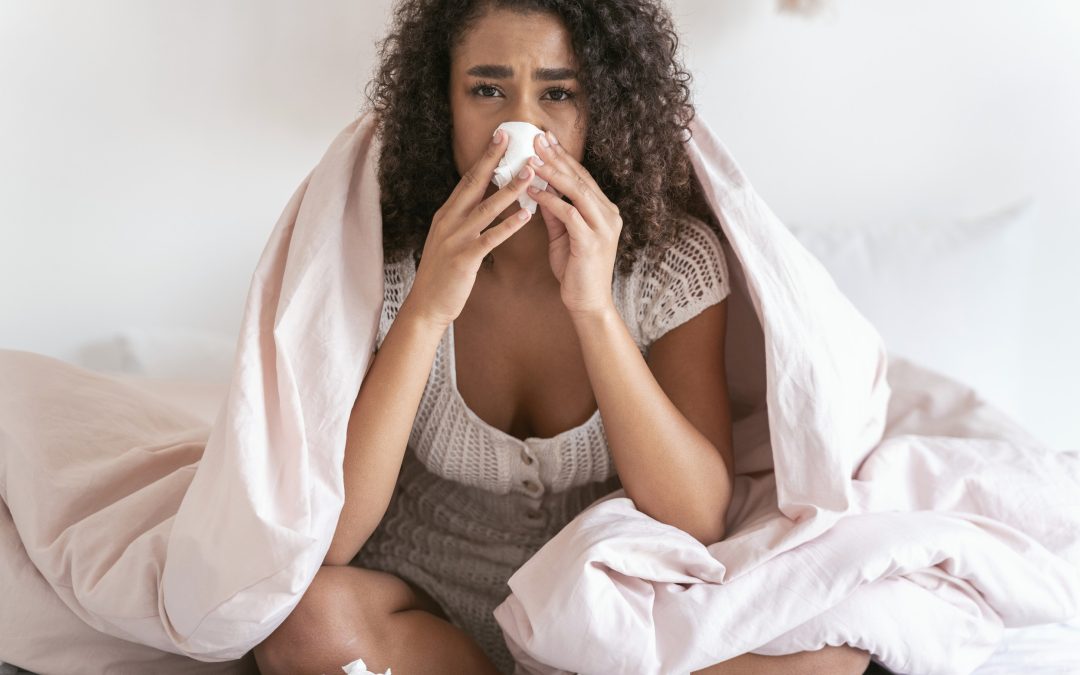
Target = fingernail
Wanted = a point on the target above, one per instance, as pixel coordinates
(496, 137)
(524, 173)
(543, 140)
(554, 141)
(536, 160)
(533, 191)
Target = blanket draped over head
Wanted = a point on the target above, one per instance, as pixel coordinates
(876, 503)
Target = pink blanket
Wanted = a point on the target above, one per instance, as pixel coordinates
(876, 504)
(899, 512)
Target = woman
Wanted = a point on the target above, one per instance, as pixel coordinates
(526, 366)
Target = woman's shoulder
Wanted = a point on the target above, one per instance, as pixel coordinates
(697, 249)
(695, 237)
(398, 270)
(397, 280)
(682, 279)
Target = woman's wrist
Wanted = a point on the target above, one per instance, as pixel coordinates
(410, 314)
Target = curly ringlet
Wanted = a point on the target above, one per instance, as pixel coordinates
(628, 69)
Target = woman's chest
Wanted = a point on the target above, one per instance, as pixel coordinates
(519, 365)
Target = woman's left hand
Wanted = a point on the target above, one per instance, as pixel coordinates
(583, 237)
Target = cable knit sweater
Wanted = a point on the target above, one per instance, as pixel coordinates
(473, 503)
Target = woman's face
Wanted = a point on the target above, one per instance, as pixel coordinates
(493, 80)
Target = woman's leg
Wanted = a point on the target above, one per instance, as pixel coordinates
(349, 612)
(842, 660)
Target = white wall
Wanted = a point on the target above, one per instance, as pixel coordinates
(918, 112)
(147, 148)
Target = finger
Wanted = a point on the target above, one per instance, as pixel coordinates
(555, 227)
(497, 234)
(470, 189)
(573, 187)
(489, 209)
(556, 153)
(567, 213)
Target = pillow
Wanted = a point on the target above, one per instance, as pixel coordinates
(1049, 649)
(949, 295)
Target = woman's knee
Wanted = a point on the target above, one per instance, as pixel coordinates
(833, 660)
(341, 616)
(838, 660)
(845, 659)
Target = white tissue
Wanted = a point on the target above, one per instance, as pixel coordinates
(518, 151)
(358, 667)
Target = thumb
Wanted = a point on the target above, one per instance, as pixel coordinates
(555, 227)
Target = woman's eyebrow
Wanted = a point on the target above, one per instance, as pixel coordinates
(498, 72)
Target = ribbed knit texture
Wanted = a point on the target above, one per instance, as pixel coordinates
(473, 503)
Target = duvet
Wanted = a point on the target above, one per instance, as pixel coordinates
(876, 503)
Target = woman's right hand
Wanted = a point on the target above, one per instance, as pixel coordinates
(457, 241)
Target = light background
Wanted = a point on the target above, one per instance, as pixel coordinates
(147, 148)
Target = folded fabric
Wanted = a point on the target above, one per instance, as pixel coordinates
(877, 503)
(960, 525)
(890, 510)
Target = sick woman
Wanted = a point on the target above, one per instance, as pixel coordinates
(527, 364)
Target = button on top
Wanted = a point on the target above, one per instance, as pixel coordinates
(535, 518)
(525, 457)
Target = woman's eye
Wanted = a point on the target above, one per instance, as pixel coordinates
(558, 95)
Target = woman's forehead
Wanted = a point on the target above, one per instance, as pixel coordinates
(506, 37)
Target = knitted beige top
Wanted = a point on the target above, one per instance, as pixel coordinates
(473, 503)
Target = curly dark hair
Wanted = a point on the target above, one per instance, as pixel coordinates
(628, 69)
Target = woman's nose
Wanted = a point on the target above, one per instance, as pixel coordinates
(527, 111)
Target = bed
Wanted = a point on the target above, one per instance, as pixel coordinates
(1051, 649)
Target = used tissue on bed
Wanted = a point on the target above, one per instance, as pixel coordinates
(358, 667)
(519, 149)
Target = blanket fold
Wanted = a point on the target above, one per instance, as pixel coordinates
(876, 503)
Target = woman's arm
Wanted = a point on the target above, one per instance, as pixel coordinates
(379, 426)
(674, 457)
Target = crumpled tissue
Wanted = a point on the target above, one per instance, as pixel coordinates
(358, 667)
(519, 149)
